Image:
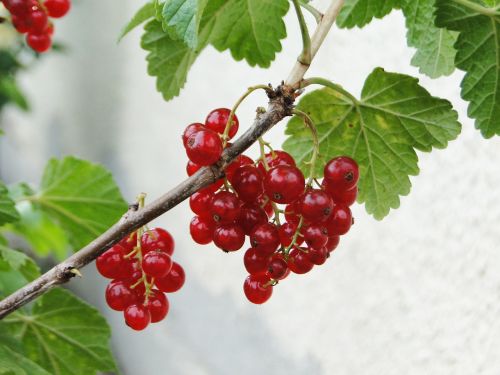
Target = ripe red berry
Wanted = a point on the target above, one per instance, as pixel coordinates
(340, 221)
(157, 239)
(20, 24)
(38, 21)
(225, 207)
(20, 8)
(156, 264)
(217, 120)
(316, 236)
(119, 295)
(192, 168)
(317, 256)
(332, 243)
(238, 162)
(265, 238)
(57, 8)
(316, 205)
(286, 233)
(229, 237)
(173, 281)
(112, 264)
(292, 212)
(247, 181)
(157, 305)
(250, 216)
(190, 130)
(284, 184)
(257, 288)
(39, 42)
(254, 261)
(343, 197)
(204, 147)
(202, 229)
(137, 317)
(265, 203)
(342, 173)
(277, 267)
(299, 262)
(275, 158)
(200, 202)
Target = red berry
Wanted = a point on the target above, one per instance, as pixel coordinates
(277, 268)
(316, 205)
(229, 237)
(316, 236)
(112, 264)
(204, 147)
(157, 239)
(286, 233)
(247, 181)
(275, 158)
(292, 212)
(137, 317)
(173, 281)
(342, 197)
(157, 305)
(284, 184)
(342, 173)
(238, 162)
(225, 207)
(217, 120)
(265, 238)
(19, 8)
(119, 295)
(299, 262)
(39, 43)
(57, 8)
(192, 168)
(20, 24)
(200, 202)
(318, 256)
(250, 216)
(129, 242)
(254, 261)
(201, 229)
(38, 20)
(332, 243)
(340, 221)
(156, 264)
(190, 130)
(267, 206)
(257, 288)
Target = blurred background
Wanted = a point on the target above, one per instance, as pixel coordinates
(416, 293)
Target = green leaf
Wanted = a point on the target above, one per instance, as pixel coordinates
(82, 197)
(394, 117)
(478, 54)
(10, 90)
(146, 12)
(8, 212)
(184, 16)
(435, 54)
(63, 335)
(16, 363)
(361, 12)
(15, 260)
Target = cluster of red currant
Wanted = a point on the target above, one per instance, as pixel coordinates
(142, 272)
(253, 195)
(31, 17)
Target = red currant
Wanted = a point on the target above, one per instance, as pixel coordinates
(257, 288)
(316, 205)
(254, 261)
(299, 262)
(275, 158)
(38, 21)
(342, 173)
(200, 202)
(225, 207)
(119, 295)
(156, 264)
(57, 8)
(158, 239)
(129, 242)
(318, 256)
(137, 317)
(265, 238)
(284, 184)
(247, 181)
(277, 268)
(192, 168)
(340, 221)
(157, 305)
(286, 233)
(112, 264)
(173, 281)
(190, 130)
(238, 162)
(332, 243)
(202, 229)
(229, 237)
(39, 42)
(316, 236)
(250, 216)
(204, 147)
(217, 120)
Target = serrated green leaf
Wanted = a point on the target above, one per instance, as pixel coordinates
(478, 47)
(11, 92)
(184, 16)
(394, 117)
(146, 12)
(361, 12)
(435, 54)
(17, 261)
(82, 197)
(63, 335)
(16, 363)
(8, 212)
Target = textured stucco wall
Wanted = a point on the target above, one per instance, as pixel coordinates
(417, 293)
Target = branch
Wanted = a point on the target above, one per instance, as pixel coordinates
(280, 106)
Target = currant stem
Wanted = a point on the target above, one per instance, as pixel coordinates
(324, 82)
(295, 235)
(306, 56)
(314, 132)
(276, 210)
(225, 135)
(316, 13)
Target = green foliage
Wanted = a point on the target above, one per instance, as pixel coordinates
(250, 30)
(146, 12)
(361, 12)
(8, 212)
(10, 92)
(394, 117)
(478, 54)
(62, 334)
(14, 362)
(435, 54)
(17, 261)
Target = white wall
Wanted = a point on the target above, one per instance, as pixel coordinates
(417, 293)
